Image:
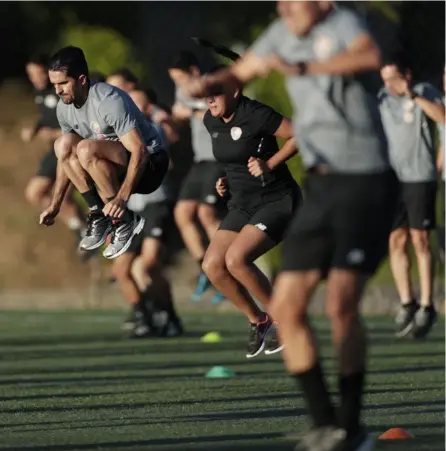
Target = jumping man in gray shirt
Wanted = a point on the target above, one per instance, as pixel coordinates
(409, 113)
(108, 151)
(341, 231)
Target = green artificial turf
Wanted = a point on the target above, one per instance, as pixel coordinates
(69, 381)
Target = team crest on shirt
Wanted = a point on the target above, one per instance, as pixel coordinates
(323, 47)
(236, 133)
(50, 101)
(95, 127)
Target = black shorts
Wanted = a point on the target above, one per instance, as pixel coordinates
(271, 216)
(153, 175)
(199, 183)
(416, 206)
(344, 222)
(48, 165)
(158, 216)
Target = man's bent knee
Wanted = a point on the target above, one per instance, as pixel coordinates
(37, 190)
(86, 151)
(65, 145)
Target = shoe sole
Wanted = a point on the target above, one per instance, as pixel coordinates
(99, 243)
(136, 231)
(406, 331)
(274, 351)
(262, 346)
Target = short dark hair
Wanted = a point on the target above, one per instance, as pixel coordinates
(71, 61)
(126, 74)
(400, 61)
(151, 95)
(184, 60)
(38, 60)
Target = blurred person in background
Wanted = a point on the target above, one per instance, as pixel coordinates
(139, 270)
(410, 113)
(108, 150)
(341, 231)
(123, 79)
(39, 188)
(441, 171)
(198, 197)
(97, 77)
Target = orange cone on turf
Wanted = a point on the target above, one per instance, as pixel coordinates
(396, 434)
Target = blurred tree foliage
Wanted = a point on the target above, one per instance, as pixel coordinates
(105, 49)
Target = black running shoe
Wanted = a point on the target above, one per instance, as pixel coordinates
(404, 319)
(424, 320)
(272, 344)
(257, 336)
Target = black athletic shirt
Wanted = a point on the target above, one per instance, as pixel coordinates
(46, 100)
(250, 133)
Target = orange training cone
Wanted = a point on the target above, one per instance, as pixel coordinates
(396, 434)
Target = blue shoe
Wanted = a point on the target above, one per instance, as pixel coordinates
(219, 297)
(203, 285)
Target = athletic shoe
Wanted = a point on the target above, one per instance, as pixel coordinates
(203, 284)
(272, 344)
(404, 319)
(130, 322)
(326, 438)
(424, 319)
(362, 441)
(257, 336)
(98, 228)
(166, 324)
(141, 329)
(218, 298)
(123, 233)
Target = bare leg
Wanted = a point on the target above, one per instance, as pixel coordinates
(249, 245)
(207, 215)
(184, 213)
(214, 266)
(425, 260)
(400, 264)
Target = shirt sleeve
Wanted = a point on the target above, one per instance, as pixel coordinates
(118, 114)
(267, 42)
(430, 93)
(266, 119)
(349, 26)
(65, 127)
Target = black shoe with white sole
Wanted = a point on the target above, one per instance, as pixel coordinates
(272, 344)
(123, 233)
(257, 337)
(423, 321)
(404, 320)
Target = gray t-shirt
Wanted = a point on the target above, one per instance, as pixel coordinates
(442, 137)
(201, 140)
(411, 134)
(107, 114)
(336, 119)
